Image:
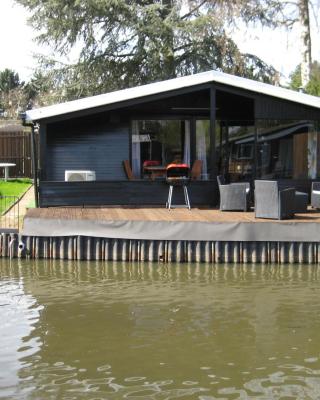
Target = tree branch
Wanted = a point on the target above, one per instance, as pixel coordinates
(194, 10)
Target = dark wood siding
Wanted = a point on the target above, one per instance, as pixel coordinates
(273, 108)
(99, 147)
(130, 193)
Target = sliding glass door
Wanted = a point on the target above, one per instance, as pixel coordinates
(157, 143)
(235, 145)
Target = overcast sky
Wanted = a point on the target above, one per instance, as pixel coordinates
(16, 40)
(17, 44)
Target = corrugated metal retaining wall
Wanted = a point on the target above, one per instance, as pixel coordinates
(89, 248)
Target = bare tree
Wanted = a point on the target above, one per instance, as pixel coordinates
(277, 13)
(306, 57)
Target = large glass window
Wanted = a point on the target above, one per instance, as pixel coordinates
(157, 143)
(287, 149)
(270, 149)
(235, 150)
(241, 155)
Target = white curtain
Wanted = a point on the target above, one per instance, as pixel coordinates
(136, 158)
(201, 147)
(186, 150)
(312, 154)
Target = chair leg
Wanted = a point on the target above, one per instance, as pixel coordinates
(170, 196)
(186, 197)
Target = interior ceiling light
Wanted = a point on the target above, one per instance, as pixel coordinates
(192, 108)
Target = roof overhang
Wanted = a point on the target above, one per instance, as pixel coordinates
(171, 85)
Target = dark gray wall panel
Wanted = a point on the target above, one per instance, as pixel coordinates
(100, 148)
(273, 108)
(131, 193)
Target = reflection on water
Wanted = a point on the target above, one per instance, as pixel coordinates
(127, 331)
(18, 312)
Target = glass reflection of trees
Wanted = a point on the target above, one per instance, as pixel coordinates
(282, 149)
(162, 140)
(270, 149)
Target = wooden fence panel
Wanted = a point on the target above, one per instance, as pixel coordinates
(15, 147)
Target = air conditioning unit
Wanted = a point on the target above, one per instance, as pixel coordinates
(78, 175)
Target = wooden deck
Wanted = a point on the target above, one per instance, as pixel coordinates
(160, 214)
(161, 224)
(157, 234)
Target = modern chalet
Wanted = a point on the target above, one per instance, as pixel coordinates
(237, 127)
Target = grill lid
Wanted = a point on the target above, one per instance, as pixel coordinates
(178, 172)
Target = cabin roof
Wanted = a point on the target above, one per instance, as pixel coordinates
(169, 85)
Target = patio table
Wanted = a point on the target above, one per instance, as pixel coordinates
(156, 170)
(6, 167)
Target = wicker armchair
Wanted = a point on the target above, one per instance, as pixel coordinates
(273, 202)
(233, 196)
(315, 195)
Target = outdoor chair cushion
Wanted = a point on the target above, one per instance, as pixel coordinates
(301, 202)
(315, 195)
(234, 196)
(272, 202)
(150, 163)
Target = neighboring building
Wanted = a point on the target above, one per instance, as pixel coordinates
(239, 127)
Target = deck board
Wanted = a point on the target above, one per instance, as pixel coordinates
(159, 214)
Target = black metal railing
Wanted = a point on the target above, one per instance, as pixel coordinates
(9, 213)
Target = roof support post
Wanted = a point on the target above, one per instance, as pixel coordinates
(213, 161)
(255, 151)
(43, 150)
(34, 166)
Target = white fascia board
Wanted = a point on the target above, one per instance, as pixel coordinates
(267, 89)
(119, 96)
(170, 85)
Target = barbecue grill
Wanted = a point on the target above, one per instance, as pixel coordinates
(178, 175)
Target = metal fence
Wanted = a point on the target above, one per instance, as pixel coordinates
(10, 216)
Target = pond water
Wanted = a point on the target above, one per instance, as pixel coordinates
(127, 331)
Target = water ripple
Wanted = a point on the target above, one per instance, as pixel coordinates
(156, 332)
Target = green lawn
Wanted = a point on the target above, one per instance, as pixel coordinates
(13, 187)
